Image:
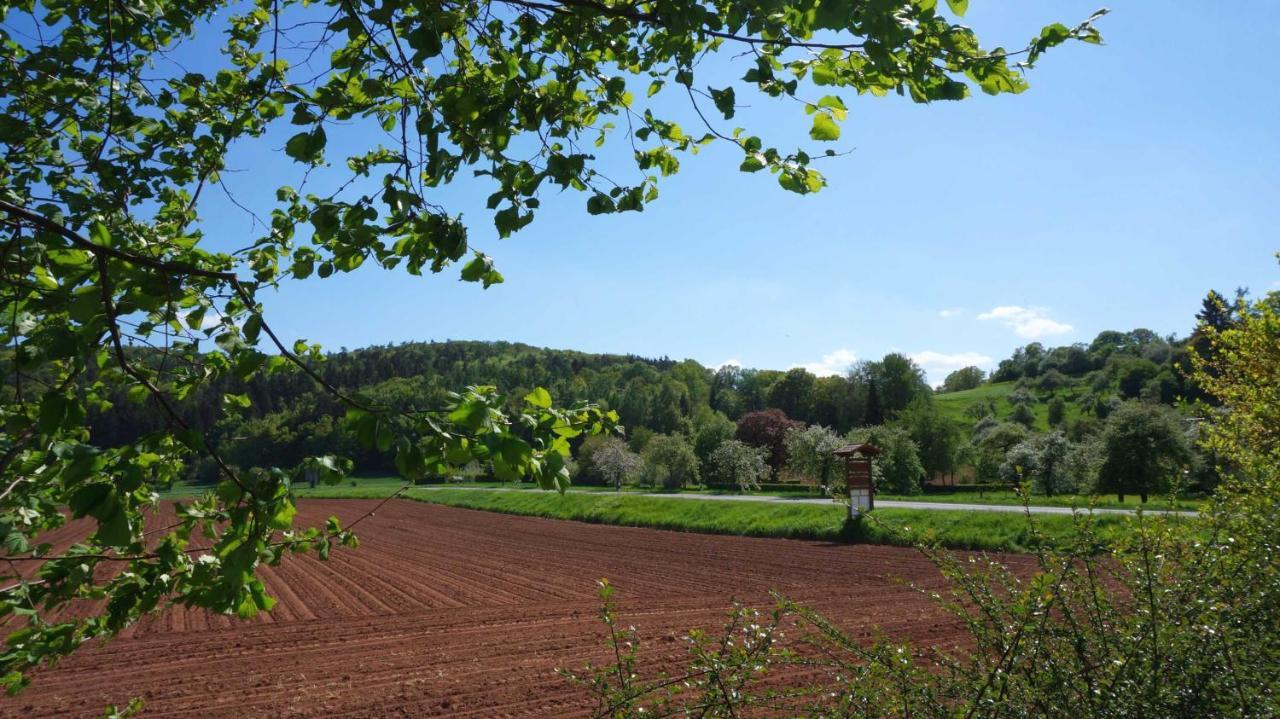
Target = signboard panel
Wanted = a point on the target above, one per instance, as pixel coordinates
(858, 473)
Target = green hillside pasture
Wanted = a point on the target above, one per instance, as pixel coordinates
(953, 404)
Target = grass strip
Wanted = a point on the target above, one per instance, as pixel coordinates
(992, 531)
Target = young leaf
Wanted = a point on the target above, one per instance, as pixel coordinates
(824, 128)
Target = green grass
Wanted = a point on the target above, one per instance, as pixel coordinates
(1009, 497)
(995, 531)
(953, 404)
(381, 486)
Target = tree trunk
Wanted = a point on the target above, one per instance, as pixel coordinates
(1121, 498)
(1144, 497)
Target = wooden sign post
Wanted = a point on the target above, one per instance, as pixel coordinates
(857, 477)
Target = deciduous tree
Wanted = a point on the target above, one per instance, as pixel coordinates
(669, 461)
(936, 436)
(811, 453)
(963, 379)
(1144, 448)
(897, 470)
(767, 429)
(793, 394)
(897, 380)
(616, 463)
(737, 464)
(113, 148)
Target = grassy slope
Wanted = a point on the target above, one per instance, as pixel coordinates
(960, 530)
(954, 404)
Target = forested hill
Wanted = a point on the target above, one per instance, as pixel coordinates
(1072, 388)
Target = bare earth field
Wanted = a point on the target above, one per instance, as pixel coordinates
(460, 613)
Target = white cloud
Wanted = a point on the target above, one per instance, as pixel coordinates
(950, 312)
(210, 319)
(729, 363)
(1029, 322)
(837, 362)
(937, 365)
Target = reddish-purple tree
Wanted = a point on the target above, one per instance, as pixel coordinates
(767, 428)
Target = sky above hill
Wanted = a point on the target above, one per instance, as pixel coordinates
(1127, 182)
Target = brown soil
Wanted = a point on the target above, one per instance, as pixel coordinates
(460, 613)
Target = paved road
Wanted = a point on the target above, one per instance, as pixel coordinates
(885, 503)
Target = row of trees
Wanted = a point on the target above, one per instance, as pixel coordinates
(669, 462)
(1069, 389)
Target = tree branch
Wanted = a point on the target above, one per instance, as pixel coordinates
(176, 268)
(565, 7)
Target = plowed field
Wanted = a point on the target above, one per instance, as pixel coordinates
(459, 613)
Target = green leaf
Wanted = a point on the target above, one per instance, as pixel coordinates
(480, 269)
(470, 415)
(410, 461)
(724, 101)
(113, 529)
(252, 328)
(824, 74)
(283, 518)
(53, 410)
(307, 147)
(599, 204)
(383, 436)
(959, 7)
(87, 498)
(824, 128)
(835, 105)
(100, 235)
(539, 398)
(510, 220)
(101, 501)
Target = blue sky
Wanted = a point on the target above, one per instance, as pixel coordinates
(1129, 180)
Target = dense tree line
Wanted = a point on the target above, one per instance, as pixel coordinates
(1047, 424)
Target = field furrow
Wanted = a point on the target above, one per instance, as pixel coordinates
(453, 612)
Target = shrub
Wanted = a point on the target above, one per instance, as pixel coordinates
(1057, 412)
(1023, 415)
